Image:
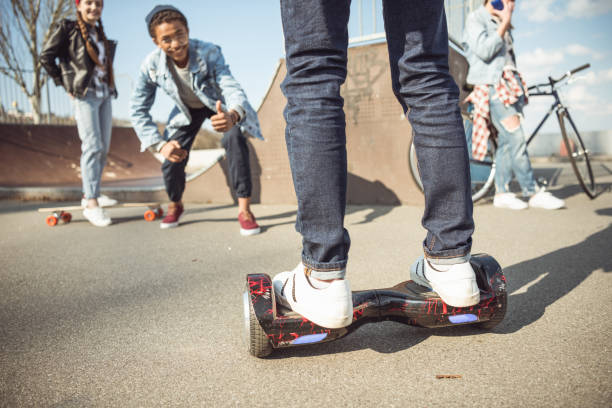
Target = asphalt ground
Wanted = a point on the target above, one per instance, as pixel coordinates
(134, 316)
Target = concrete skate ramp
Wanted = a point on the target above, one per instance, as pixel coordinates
(378, 140)
(37, 156)
(43, 162)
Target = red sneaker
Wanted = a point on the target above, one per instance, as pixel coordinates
(171, 220)
(248, 225)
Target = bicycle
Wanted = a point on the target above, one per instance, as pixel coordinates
(483, 171)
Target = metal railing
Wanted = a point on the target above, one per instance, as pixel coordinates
(15, 107)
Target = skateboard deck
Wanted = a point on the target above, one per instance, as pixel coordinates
(63, 213)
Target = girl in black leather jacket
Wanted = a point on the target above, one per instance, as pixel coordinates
(79, 57)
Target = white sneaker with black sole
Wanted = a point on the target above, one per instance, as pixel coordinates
(331, 307)
(456, 284)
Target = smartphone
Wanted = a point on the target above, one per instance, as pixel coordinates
(497, 4)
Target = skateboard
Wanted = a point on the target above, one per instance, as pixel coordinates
(269, 326)
(62, 213)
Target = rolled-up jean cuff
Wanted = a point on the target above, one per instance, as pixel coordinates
(448, 260)
(326, 272)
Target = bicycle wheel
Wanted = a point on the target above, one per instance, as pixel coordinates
(577, 153)
(482, 172)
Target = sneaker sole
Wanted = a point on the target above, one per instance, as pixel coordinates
(323, 321)
(168, 225)
(463, 301)
(507, 207)
(100, 225)
(247, 232)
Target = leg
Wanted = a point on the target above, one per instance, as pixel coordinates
(316, 39)
(93, 155)
(106, 128)
(87, 115)
(237, 153)
(511, 153)
(418, 52)
(174, 173)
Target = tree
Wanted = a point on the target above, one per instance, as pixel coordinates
(25, 25)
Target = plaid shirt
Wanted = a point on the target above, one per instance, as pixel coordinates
(508, 90)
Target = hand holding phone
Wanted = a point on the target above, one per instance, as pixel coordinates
(497, 4)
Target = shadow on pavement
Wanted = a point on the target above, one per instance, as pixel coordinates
(537, 283)
(533, 285)
(574, 189)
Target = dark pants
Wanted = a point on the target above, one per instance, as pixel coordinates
(316, 40)
(236, 152)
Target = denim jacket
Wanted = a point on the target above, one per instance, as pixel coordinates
(212, 81)
(485, 50)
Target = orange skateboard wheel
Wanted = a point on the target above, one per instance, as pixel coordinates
(51, 220)
(150, 215)
(66, 217)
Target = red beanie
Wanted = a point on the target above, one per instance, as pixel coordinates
(77, 2)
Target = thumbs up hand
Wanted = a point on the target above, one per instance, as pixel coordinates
(223, 121)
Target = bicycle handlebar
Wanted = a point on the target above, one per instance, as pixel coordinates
(572, 72)
(567, 74)
(580, 68)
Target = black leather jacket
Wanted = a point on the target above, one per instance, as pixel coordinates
(75, 69)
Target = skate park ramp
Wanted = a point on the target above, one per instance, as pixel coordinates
(42, 162)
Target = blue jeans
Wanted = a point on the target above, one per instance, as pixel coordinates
(94, 118)
(511, 155)
(316, 40)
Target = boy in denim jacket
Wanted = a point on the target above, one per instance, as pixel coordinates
(194, 74)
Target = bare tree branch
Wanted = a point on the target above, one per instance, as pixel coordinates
(21, 26)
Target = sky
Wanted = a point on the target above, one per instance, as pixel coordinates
(551, 37)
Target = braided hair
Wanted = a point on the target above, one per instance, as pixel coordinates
(93, 54)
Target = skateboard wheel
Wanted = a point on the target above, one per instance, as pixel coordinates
(150, 215)
(66, 217)
(51, 220)
(160, 212)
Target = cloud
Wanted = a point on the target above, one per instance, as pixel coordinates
(539, 63)
(554, 10)
(582, 99)
(541, 10)
(581, 50)
(588, 8)
(594, 77)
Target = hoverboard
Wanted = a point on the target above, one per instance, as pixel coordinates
(270, 326)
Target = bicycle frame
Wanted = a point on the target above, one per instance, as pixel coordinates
(554, 107)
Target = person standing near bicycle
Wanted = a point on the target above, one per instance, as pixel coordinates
(498, 98)
(85, 70)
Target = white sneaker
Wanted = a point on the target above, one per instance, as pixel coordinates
(509, 201)
(331, 307)
(543, 199)
(456, 286)
(103, 201)
(97, 216)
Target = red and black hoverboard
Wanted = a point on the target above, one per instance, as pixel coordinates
(269, 326)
